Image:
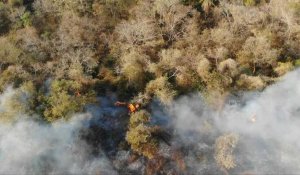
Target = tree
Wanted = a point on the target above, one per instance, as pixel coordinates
(224, 148)
(172, 18)
(63, 100)
(250, 82)
(257, 51)
(9, 53)
(203, 67)
(17, 103)
(250, 2)
(162, 89)
(75, 6)
(14, 75)
(137, 32)
(228, 67)
(169, 60)
(139, 135)
(133, 66)
(115, 10)
(283, 68)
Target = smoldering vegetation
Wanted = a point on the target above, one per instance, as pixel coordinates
(254, 133)
(63, 65)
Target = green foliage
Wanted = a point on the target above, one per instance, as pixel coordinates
(63, 102)
(18, 103)
(138, 118)
(250, 2)
(13, 75)
(132, 67)
(26, 19)
(283, 68)
(162, 89)
(217, 82)
(297, 63)
(9, 53)
(141, 50)
(139, 135)
(160, 48)
(141, 141)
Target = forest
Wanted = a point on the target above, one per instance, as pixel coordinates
(216, 82)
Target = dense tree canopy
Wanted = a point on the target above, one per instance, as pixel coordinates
(60, 55)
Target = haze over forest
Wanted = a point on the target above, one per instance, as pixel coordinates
(216, 81)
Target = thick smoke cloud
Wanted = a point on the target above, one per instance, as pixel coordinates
(28, 146)
(267, 124)
(268, 145)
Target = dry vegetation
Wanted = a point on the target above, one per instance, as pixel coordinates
(51, 50)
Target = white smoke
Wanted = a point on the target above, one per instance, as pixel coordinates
(268, 125)
(28, 146)
(268, 145)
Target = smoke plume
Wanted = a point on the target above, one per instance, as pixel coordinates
(261, 129)
(266, 124)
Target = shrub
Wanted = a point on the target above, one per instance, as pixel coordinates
(162, 89)
(283, 68)
(139, 135)
(250, 82)
(140, 117)
(114, 10)
(297, 63)
(141, 141)
(9, 53)
(136, 32)
(217, 82)
(186, 78)
(169, 60)
(223, 37)
(26, 19)
(250, 2)
(14, 75)
(172, 18)
(162, 6)
(77, 6)
(228, 67)
(203, 67)
(77, 65)
(257, 51)
(76, 31)
(16, 103)
(132, 67)
(224, 148)
(15, 2)
(63, 102)
(295, 6)
(29, 42)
